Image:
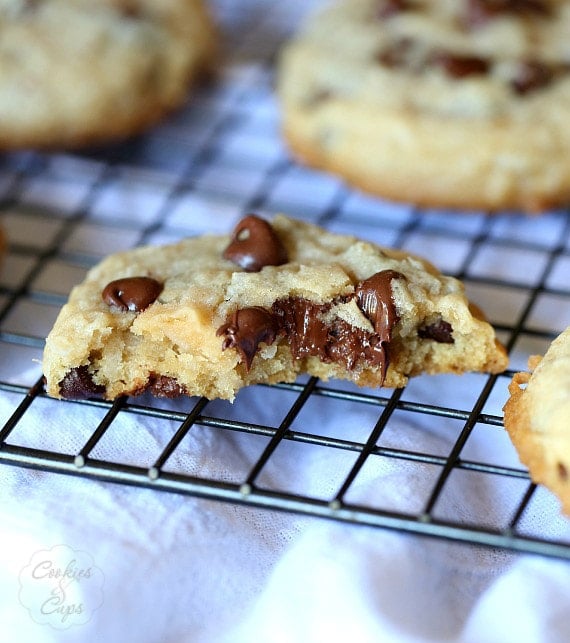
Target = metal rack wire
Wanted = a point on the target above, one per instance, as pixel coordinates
(223, 153)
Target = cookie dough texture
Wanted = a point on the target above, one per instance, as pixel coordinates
(537, 418)
(444, 103)
(174, 341)
(80, 72)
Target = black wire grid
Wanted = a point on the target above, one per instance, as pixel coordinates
(223, 151)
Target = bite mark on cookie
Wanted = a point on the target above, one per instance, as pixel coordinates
(310, 329)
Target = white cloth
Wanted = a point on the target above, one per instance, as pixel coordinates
(181, 569)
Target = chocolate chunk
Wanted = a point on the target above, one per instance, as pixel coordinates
(480, 12)
(335, 341)
(309, 332)
(130, 9)
(531, 75)
(79, 385)
(398, 54)
(440, 331)
(132, 293)
(247, 328)
(562, 471)
(164, 386)
(255, 244)
(460, 66)
(301, 319)
(389, 8)
(374, 298)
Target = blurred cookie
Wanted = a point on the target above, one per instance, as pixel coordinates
(537, 417)
(2, 245)
(73, 73)
(212, 314)
(444, 103)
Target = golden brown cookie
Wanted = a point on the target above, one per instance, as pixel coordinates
(447, 103)
(81, 72)
(212, 314)
(537, 418)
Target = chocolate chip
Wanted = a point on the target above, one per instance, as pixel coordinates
(247, 328)
(389, 8)
(130, 9)
(164, 386)
(562, 471)
(531, 75)
(255, 244)
(309, 333)
(440, 331)
(480, 12)
(303, 325)
(374, 298)
(78, 385)
(332, 341)
(397, 54)
(460, 66)
(132, 293)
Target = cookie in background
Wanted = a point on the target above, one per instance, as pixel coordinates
(88, 72)
(442, 103)
(537, 418)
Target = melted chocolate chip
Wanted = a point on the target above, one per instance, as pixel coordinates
(562, 471)
(336, 341)
(132, 293)
(440, 331)
(300, 318)
(480, 12)
(309, 333)
(374, 298)
(78, 385)
(247, 328)
(460, 66)
(255, 244)
(531, 75)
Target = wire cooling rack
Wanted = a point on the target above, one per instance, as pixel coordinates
(201, 170)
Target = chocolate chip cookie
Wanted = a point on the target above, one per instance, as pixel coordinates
(2, 245)
(448, 103)
(537, 416)
(212, 314)
(81, 72)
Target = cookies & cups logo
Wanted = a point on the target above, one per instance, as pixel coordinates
(61, 587)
